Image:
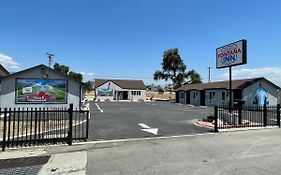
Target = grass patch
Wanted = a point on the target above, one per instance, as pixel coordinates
(60, 94)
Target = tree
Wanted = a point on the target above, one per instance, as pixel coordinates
(76, 76)
(194, 77)
(65, 70)
(148, 87)
(160, 91)
(174, 69)
(61, 68)
(89, 85)
(168, 87)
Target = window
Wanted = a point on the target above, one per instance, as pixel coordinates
(182, 95)
(195, 94)
(223, 95)
(135, 92)
(212, 95)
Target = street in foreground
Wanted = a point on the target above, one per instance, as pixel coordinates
(246, 152)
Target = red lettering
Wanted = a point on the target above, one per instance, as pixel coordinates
(239, 50)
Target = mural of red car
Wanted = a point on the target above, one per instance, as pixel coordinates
(38, 96)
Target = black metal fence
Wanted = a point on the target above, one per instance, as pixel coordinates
(246, 116)
(25, 127)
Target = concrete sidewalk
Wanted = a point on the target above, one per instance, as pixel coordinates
(245, 152)
(61, 159)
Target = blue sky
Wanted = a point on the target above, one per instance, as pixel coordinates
(126, 38)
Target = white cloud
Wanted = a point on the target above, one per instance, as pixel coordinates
(271, 73)
(8, 62)
(87, 76)
(87, 73)
(91, 74)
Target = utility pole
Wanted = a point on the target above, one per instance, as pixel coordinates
(50, 57)
(209, 77)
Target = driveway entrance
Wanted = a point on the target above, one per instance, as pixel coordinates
(126, 120)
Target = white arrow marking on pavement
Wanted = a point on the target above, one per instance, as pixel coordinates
(144, 125)
(151, 130)
(148, 129)
(101, 110)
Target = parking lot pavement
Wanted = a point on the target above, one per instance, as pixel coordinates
(125, 120)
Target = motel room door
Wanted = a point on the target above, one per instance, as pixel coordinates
(125, 95)
(202, 98)
(187, 97)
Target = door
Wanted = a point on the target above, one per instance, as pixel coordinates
(177, 97)
(187, 97)
(125, 95)
(202, 98)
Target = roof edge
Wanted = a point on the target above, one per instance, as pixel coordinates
(114, 81)
(106, 82)
(43, 66)
(241, 87)
(4, 69)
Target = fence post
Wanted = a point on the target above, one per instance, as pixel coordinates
(278, 115)
(87, 126)
(240, 115)
(35, 129)
(264, 115)
(4, 130)
(70, 112)
(216, 119)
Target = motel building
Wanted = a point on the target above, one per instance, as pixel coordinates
(39, 87)
(255, 91)
(115, 90)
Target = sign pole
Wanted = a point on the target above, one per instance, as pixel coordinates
(230, 89)
(233, 54)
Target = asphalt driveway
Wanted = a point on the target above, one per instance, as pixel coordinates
(121, 120)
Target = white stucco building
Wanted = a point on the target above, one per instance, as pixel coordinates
(39, 87)
(109, 90)
(255, 91)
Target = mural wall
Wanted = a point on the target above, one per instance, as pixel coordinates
(259, 93)
(105, 92)
(41, 91)
(261, 97)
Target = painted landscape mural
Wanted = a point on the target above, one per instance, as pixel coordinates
(41, 91)
(105, 92)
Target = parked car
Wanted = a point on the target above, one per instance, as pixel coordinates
(38, 96)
